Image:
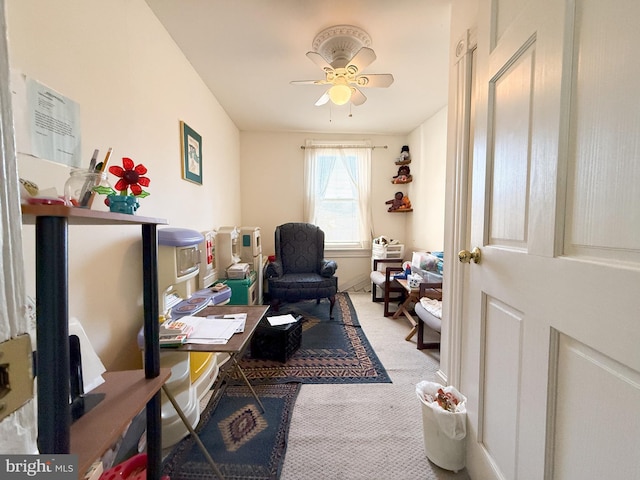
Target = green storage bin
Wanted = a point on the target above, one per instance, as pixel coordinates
(243, 291)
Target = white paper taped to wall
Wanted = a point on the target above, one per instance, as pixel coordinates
(47, 122)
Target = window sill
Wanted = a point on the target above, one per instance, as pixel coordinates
(347, 252)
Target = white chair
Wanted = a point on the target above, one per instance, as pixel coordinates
(429, 312)
(383, 280)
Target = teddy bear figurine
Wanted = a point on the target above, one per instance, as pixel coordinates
(405, 156)
(399, 202)
(403, 176)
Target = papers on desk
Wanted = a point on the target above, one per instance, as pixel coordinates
(232, 316)
(281, 320)
(212, 330)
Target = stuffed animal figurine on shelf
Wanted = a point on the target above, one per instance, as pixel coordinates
(405, 156)
(403, 176)
(399, 203)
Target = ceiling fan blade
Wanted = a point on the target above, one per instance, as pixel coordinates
(374, 80)
(362, 59)
(357, 97)
(308, 82)
(319, 60)
(323, 99)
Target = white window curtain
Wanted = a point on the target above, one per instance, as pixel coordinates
(18, 430)
(320, 162)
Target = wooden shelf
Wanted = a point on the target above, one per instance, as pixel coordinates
(127, 394)
(84, 216)
(401, 210)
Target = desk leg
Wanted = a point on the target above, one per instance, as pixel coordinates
(404, 310)
(185, 420)
(246, 380)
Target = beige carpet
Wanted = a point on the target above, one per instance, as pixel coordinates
(367, 431)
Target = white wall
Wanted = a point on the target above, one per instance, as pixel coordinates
(272, 182)
(425, 229)
(272, 172)
(133, 86)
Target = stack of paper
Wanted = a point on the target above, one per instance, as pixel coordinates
(212, 331)
(242, 317)
(281, 319)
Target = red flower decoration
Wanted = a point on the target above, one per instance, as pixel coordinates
(130, 177)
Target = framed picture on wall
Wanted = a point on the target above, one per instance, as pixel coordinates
(191, 148)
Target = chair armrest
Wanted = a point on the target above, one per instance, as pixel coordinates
(376, 261)
(430, 290)
(328, 268)
(274, 269)
(390, 270)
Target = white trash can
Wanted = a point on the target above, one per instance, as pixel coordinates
(444, 430)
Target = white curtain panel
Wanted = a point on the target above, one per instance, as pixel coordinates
(18, 430)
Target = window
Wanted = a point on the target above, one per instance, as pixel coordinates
(337, 190)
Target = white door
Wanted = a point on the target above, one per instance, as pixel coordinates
(551, 336)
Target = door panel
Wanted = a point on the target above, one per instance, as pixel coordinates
(550, 327)
(600, 143)
(601, 389)
(510, 97)
(500, 376)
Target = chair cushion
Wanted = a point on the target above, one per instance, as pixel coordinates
(378, 278)
(302, 286)
(432, 317)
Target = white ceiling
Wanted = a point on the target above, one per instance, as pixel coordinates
(247, 52)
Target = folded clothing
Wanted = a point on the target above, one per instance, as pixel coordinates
(434, 307)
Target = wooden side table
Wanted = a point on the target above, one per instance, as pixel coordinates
(432, 290)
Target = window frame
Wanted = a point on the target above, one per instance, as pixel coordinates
(313, 150)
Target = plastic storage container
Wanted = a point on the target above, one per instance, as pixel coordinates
(387, 251)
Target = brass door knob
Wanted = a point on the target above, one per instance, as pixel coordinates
(465, 256)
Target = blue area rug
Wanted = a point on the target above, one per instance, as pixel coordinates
(247, 444)
(244, 442)
(331, 351)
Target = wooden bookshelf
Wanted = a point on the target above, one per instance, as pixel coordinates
(126, 395)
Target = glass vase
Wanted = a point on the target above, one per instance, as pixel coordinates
(79, 187)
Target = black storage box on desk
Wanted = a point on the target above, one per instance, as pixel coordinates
(277, 342)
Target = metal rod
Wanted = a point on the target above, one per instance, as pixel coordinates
(246, 380)
(304, 147)
(193, 432)
(52, 354)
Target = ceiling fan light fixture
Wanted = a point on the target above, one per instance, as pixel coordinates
(340, 94)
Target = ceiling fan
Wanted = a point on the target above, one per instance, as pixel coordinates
(342, 52)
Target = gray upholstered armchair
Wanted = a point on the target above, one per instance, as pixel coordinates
(300, 271)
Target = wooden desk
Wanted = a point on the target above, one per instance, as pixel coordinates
(239, 341)
(235, 347)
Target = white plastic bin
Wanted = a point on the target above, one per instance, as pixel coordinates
(444, 432)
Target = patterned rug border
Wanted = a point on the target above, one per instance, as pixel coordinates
(324, 366)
